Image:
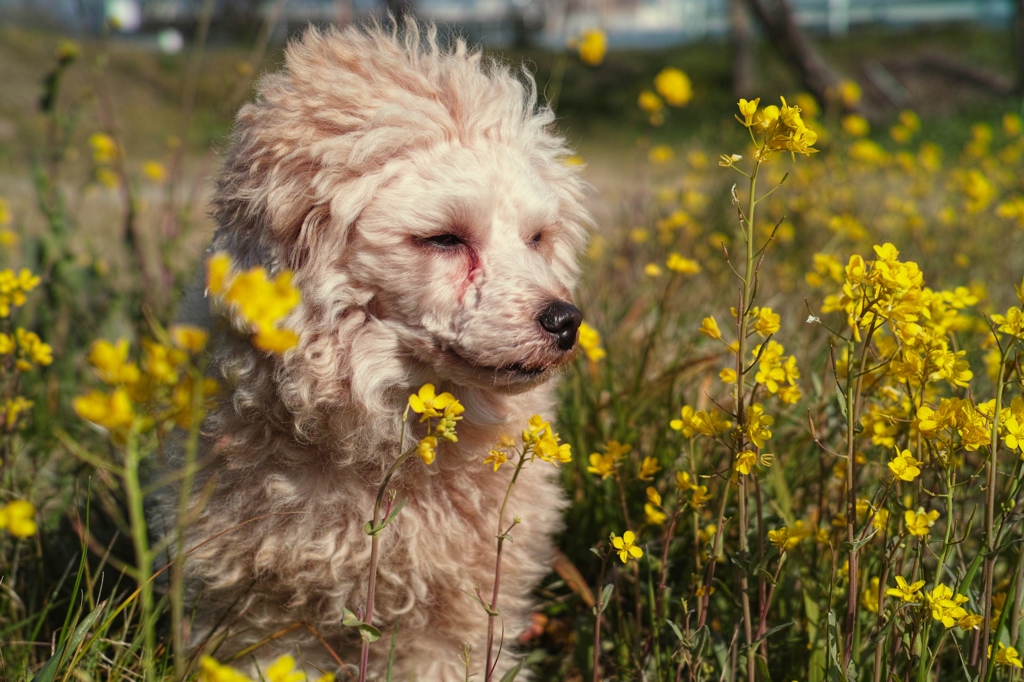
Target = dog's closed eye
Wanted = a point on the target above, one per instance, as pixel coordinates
(445, 241)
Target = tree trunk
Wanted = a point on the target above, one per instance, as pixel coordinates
(743, 70)
(783, 32)
(1018, 43)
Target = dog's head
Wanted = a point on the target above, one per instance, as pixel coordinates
(424, 202)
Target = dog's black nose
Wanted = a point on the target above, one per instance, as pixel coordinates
(562, 320)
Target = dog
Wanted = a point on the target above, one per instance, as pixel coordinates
(425, 205)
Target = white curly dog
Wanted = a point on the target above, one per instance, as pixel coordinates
(427, 209)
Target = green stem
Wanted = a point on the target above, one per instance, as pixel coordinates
(493, 611)
(990, 540)
(140, 540)
(364, 656)
(185, 494)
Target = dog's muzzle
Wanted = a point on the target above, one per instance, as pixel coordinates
(561, 320)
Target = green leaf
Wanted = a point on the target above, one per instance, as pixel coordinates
(857, 544)
(371, 530)
(495, 612)
(606, 594)
(771, 632)
(699, 640)
(66, 650)
(511, 674)
(675, 629)
(762, 669)
(841, 399)
(366, 631)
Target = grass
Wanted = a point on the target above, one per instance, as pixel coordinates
(756, 570)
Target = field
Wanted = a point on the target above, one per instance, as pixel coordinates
(796, 427)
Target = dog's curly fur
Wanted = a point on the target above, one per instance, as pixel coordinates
(349, 165)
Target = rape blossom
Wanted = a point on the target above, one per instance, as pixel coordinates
(625, 546)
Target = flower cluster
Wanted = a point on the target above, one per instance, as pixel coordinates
(105, 152)
(18, 518)
(21, 350)
(155, 391)
(541, 441)
(592, 46)
(281, 670)
(259, 303)
(779, 129)
(672, 87)
(590, 342)
(445, 409)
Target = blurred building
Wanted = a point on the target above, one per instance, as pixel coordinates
(635, 23)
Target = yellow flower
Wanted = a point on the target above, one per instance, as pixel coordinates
(13, 288)
(683, 481)
(727, 375)
(700, 496)
(32, 349)
(283, 670)
(709, 328)
(652, 510)
(113, 412)
(602, 465)
(767, 322)
(904, 467)
(757, 425)
(765, 119)
(945, 605)
(745, 461)
(782, 539)
(685, 423)
(428, 404)
(592, 46)
(747, 110)
(212, 671)
(625, 547)
(1013, 428)
(11, 411)
(1006, 656)
(919, 523)
(218, 269)
(111, 362)
(19, 518)
(104, 148)
(496, 457)
(674, 86)
(869, 598)
(855, 125)
(427, 449)
(652, 270)
(972, 621)
(648, 468)
(905, 591)
(686, 266)
(446, 425)
(660, 154)
(154, 171)
(849, 93)
(189, 338)
(590, 342)
(650, 103)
